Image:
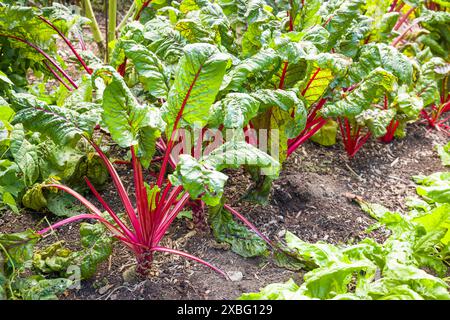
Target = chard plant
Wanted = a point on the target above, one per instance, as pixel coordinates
(138, 127)
(88, 117)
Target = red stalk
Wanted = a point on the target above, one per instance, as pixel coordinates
(313, 124)
(45, 55)
(168, 218)
(353, 141)
(121, 190)
(404, 17)
(105, 205)
(310, 81)
(73, 219)
(400, 7)
(138, 15)
(291, 22)
(393, 5)
(189, 256)
(389, 136)
(174, 130)
(141, 195)
(248, 223)
(69, 44)
(56, 75)
(298, 142)
(283, 75)
(400, 37)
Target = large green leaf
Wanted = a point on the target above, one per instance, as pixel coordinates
(243, 241)
(25, 155)
(129, 122)
(150, 69)
(234, 154)
(122, 114)
(197, 82)
(374, 55)
(234, 111)
(370, 90)
(260, 65)
(17, 249)
(199, 180)
(62, 125)
(376, 120)
(38, 288)
(339, 15)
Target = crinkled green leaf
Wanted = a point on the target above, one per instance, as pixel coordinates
(370, 90)
(129, 122)
(234, 154)
(243, 241)
(197, 82)
(444, 153)
(25, 155)
(380, 55)
(376, 120)
(64, 126)
(234, 111)
(151, 71)
(260, 65)
(200, 180)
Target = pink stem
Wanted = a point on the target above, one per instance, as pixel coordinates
(174, 130)
(121, 190)
(404, 17)
(393, 5)
(141, 196)
(167, 221)
(56, 75)
(306, 136)
(283, 75)
(400, 37)
(69, 220)
(108, 225)
(105, 205)
(46, 56)
(248, 223)
(138, 15)
(189, 256)
(69, 44)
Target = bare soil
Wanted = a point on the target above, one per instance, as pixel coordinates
(310, 199)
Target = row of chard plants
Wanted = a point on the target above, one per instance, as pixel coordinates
(279, 71)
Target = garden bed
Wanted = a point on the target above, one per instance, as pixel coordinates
(312, 199)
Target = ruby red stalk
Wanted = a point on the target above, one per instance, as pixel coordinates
(390, 131)
(352, 137)
(403, 34)
(434, 116)
(392, 127)
(393, 5)
(69, 44)
(147, 223)
(404, 18)
(45, 55)
(314, 123)
(57, 76)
